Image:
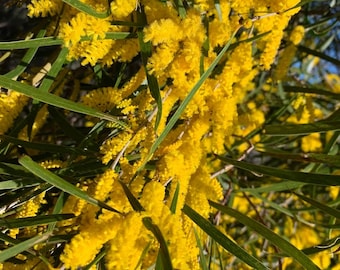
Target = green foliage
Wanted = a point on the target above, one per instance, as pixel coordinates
(277, 179)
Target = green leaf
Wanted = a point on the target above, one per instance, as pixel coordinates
(282, 186)
(164, 252)
(53, 72)
(325, 208)
(96, 260)
(88, 9)
(180, 8)
(303, 177)
(319, 54)
(254, 38)
(302, 3)
(311, 90)
(323, 246)
(58, 207)
(25, 60)
(142, 256)
(271, 203)
(45, 147)
(325, 21)
(56, 101)
(333, 160)
(18, 183)
(33, 221)
(174, 200)
(203, 262)
(53, 41)
(88, 168)
(218, 9)
(301, 129)
(18, 248)
(277, 240)
(223, 240)
(133, 201)
(14, 170)
(60, 183)
(65, 126)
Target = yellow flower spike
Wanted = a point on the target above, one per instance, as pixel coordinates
(163, 31)
(152, 199)
(103, 184)
(127, 247)
(311, 143)
(44, 8)
(52, 164)
(111, 148)
(297, 35)
(84, 246)
(122, 8)
(11, 104)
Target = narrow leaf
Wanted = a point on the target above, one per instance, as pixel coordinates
(301, 129)
(325, 208)
(304, 177)
(53, 72)
(274, 238)
(174, 201)
(319, 54)
(53, 41)
(58, 207)
(203, 262)
(14, 170)
(180, 8)
(18, 183)
(45, 147)
(96, 260)
(19, 69)
(56, 101)
(282, 186)
(33, 221)
(87, 9)
(164, 252)
(272, 204)
(18, 248)
(323, 246)
(303, 157)
(223, 240)
(65, 126)
(311, 90)
(60, 183)
(133, 201)
(302, 3)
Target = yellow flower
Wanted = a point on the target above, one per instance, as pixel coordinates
(311, 143)
(122, 8)
(83, 25)
(163, 31)
(11, 104)
(84, 246)
(112, 147)
(127, 247)
(297, 34)
(283, 65)
(152, 199)
(44, 8)
(333, 81)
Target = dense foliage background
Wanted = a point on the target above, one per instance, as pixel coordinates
(169, 134)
